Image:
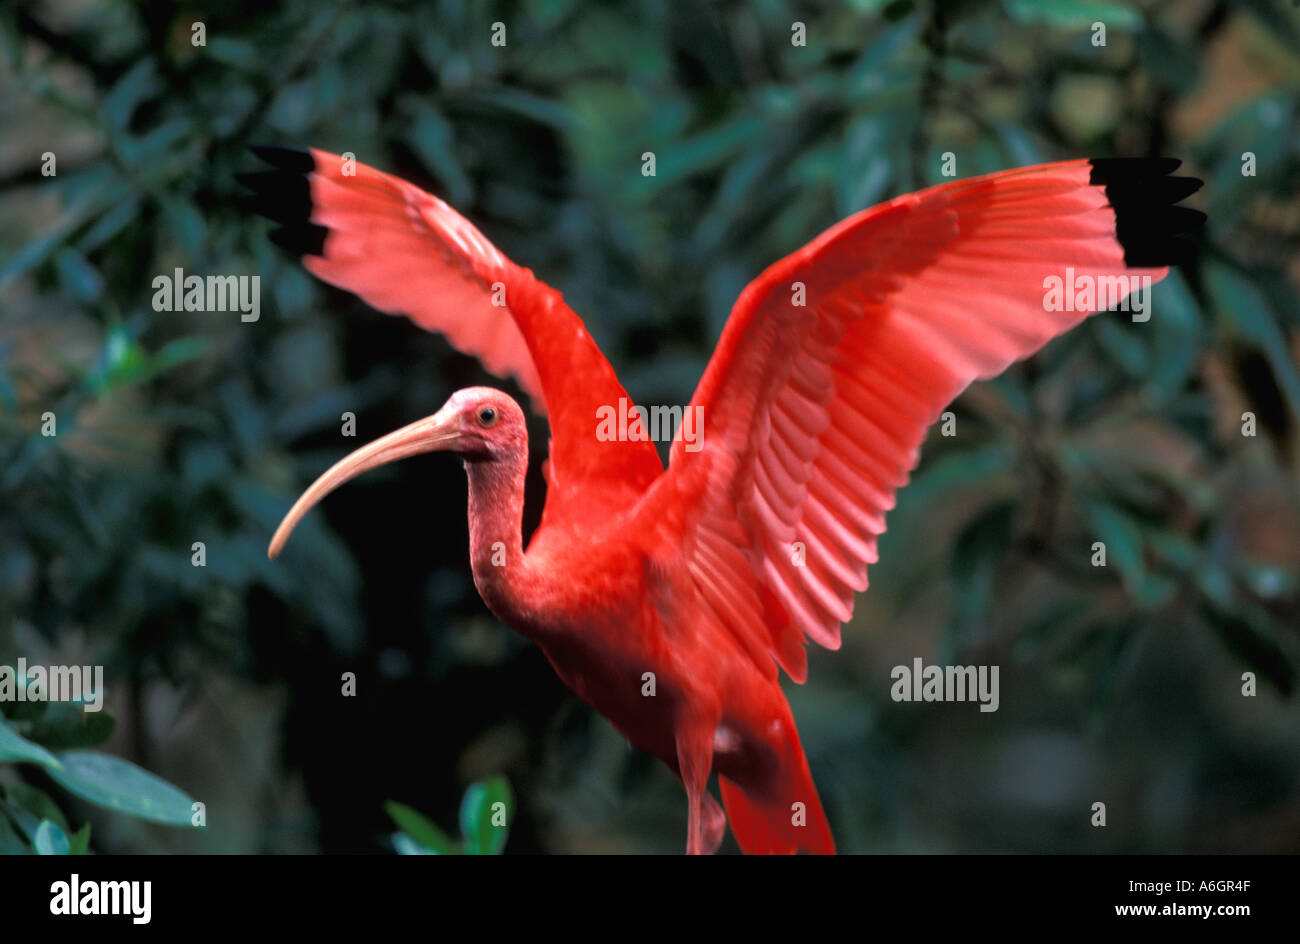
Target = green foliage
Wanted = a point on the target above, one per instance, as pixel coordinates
(485, 813)
(100, 779)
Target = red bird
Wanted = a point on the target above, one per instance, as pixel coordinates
(713, 573)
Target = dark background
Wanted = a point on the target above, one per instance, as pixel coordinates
(1120, 685)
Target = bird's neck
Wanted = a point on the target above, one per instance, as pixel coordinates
(496, 514)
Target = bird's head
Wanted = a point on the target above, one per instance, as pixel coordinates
(478, 423)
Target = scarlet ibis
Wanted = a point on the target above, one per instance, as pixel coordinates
(670, 600)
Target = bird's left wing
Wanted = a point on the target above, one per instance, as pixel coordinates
(406, 252)
(837, 358)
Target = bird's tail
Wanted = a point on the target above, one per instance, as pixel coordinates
(785, 816)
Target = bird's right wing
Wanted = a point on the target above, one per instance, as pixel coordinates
(837, 358)
(406, 252)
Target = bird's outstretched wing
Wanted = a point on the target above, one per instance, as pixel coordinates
(406, 252)
(837, 358)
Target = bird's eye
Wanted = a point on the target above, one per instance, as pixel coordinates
(487, 416)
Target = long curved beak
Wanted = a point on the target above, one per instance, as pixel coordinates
(431, 434)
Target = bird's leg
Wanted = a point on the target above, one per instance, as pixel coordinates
(714, 825)
(694, 761)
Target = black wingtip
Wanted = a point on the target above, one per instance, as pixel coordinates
(304, 239)
(298, 160)
(278, 195)
(1153, 231)
(283, 194)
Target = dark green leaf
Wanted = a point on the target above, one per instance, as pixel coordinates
(1055, 621)
(1076, 14)
(14, 748)
(1122, 538)
(110, 224)
(1175, 326)
(1249, 309)
(11, 843)
(422, 830)
(116, 784)
(66, 725)
(485, 816)
(50, 839)
(131, 89)
(29, 805)
(79, 844)
(78, 277)
(1253, 641)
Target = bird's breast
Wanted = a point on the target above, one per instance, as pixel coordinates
(588, 604)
